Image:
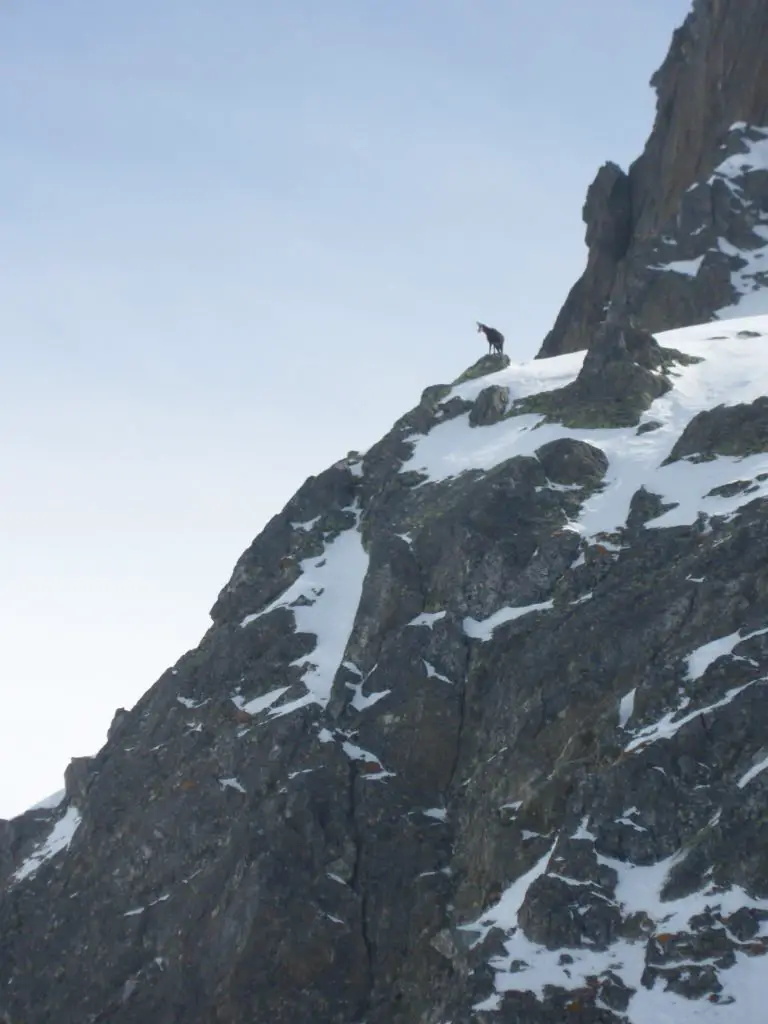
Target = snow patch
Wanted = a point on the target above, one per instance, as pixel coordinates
(626, 708)
(307, 525)
(504, 913)
(438, 813)
(355, 753)
(266, 700)
(482, 629)
(666, 727)
(689, 268)
(324, 602)
(583, 832)
(427, 619)
(231, 783)
(699, 660)
(432, 673)
(191, 704)
(140, 910)
(756, 769)
(360, 702)
(58, 840)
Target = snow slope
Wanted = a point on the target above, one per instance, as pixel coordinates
(734, 369)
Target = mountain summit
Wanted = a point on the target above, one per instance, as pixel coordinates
(478, 731)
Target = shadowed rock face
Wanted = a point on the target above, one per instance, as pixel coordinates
(668, 211)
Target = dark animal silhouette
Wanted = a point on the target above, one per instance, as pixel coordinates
(495, 338)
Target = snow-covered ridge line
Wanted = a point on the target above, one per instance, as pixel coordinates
(733, 369)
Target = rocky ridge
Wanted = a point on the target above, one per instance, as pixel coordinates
(477, 732)
(682, 237)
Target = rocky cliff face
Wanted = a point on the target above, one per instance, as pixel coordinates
(683, 236)
(478, 732)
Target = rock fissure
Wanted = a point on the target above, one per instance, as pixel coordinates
(462, 691)
(355, 884)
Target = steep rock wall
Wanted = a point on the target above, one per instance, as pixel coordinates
(714, 76)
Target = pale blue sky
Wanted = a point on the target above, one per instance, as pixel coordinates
(238, 240)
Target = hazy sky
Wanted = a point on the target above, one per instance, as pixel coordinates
(238, 239)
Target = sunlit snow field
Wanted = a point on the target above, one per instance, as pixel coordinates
(734, 370)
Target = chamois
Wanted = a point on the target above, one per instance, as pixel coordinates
(495, 338)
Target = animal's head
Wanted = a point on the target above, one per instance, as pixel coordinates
(479, 326)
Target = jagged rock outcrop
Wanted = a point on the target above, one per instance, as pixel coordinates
(489, 407)
(624, 371)
(728, 430)
(477, 732)
(683, 236)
